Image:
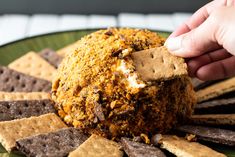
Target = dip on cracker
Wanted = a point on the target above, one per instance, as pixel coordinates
(98, 89)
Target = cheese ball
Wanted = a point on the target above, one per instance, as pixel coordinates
(94, 92)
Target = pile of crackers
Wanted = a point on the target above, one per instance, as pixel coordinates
(29, 124)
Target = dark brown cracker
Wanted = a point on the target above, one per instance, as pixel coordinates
(198, 84)
(51, 56)
(216, 106)
(136, 149)
(157, 64)
(13, 81)
(214, 119)
(215, 135)
(10, 110)
(54, 144)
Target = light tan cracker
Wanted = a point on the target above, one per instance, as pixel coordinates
(158, 63)
(216, 119)
(34, 65)
(65, 50)
(216, 90)
(15, 96)
(96, 146)
(11, 131)
(183, 148)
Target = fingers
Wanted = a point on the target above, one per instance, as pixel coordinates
(217, 70)
(195, 63)
(196, 42)
(197, 18)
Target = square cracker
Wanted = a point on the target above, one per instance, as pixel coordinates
(14, 81)
(183, 148)
(214, 119)
(51, 57)
(32, 64)
(11, 131)
(211, 134)
(16, 96)
(53, 144)
(158, 63)
(216, 90)
(96, 146)
(67, 49)
(10, 110)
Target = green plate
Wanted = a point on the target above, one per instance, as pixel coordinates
(11, 51)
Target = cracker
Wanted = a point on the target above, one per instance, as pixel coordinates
(136, 149)
(210, 134)
(158, 63)
(33, 65)
(57, 144)
(13, 81)
(183, 148)
(96, 146)
(214, 119)
(198, 84)
(216, 106)
(11, 131)
(10, 110)
(67, 49)
(51, 57)
(216, 90)
(15, 96)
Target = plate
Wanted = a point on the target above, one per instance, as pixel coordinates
(13, 50)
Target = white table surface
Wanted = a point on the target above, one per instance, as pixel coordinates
(14, 26)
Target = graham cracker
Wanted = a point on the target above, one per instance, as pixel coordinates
(215, 119)
(137, 149)
(51, 57)
(158, 63)
(32, 64)
(15, 96)
(10, 110)
(11, 131)
(96, 146)
(210, 134)
(14, 81)
(67, 49)
(53, 144)
(183, 148)
(216, 90)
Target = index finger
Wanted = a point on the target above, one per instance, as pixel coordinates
(198, 17)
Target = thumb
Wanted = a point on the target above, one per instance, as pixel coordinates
(194, 43)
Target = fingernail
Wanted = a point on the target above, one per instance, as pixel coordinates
(173, 43)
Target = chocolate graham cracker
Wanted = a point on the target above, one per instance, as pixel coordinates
(54, 144)
(136, 149)
(11, 131)
(33, 65)
(10, 110)
(67, 49)
(16, 96)
(158, 63)
(214, 119)
(13, 81)
(198, 84)
(183, 148)
(220, 106)
(51, 57)
(216, 90)
(96, 146)
(210, 134)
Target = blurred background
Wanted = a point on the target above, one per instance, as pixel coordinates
(25, 18)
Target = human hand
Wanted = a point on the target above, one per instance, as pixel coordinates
(207, 41)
